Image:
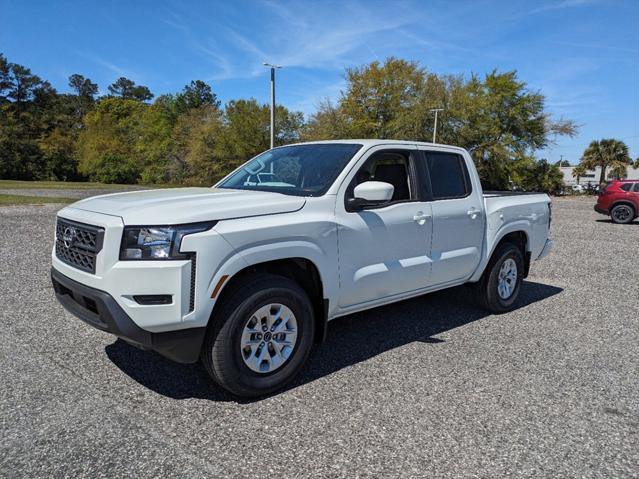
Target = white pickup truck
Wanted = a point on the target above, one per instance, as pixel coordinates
(246, 275)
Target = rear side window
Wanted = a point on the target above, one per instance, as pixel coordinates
(636, 187)
(626, 186)
(448, 175)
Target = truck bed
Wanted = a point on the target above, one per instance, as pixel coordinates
(529, 212)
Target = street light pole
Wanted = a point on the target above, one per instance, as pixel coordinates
(272, 67)
(436, 110)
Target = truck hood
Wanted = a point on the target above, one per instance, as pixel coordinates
(189, 205)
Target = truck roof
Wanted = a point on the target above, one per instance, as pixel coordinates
(373, 142)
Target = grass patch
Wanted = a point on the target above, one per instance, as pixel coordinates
(32, 200)
(59, 185)
(73, 185)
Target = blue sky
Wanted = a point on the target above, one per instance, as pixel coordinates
(582, 54)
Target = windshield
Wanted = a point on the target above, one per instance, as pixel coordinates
(302, 170)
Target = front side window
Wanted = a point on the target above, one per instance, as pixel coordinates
(448, 175)
(390, 167)
(626, 186)
(636, 187)
(301, 170)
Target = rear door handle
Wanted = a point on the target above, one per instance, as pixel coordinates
(420, 218)
(473, 213)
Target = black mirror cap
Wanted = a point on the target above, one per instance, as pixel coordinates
(359, 204)
(354, 204)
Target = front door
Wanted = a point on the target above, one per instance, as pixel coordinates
(385, 250)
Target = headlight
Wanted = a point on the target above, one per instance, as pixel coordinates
(157, 242)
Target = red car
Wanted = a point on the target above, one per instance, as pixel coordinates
(620, 200)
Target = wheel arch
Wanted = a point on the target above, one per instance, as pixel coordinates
(517, 233)
(624, 202)
(520, 239)
(299, 269)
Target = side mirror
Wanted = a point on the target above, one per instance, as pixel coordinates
(371, 193)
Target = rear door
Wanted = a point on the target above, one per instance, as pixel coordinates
(458, 216)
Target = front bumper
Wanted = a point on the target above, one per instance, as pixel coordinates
(546, 251)
(601, 210)
(101, 310)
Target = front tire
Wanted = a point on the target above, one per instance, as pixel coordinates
(622, 214)
(499, 286)
(260, 337)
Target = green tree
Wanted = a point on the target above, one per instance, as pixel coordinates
(127, 89)
(328, 122)
(379, 96)
(209, 142)
(195, 95)
(247, 129)
(197, 157)
(497, 118)
(607, 154)
(57, 148)
(111, 131)
(538, 175)
(83, 87)
(5, 80)
(154, 143)
(114, 168)
(27, 113)
(84, 98)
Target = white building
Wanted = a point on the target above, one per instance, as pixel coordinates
(592, 176)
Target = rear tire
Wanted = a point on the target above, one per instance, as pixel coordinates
(499, 286)
(622, 214)
(249, 366)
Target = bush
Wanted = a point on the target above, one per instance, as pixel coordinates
(112, 168)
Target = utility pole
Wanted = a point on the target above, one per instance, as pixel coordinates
(436, 110)
(272, 67)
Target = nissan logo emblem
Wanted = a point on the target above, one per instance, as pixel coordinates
(69, 236)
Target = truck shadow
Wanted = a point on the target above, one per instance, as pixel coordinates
(351, 339)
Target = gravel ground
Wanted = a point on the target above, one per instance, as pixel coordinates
(428, 387)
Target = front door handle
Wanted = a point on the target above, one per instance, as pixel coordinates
(473, 213)
(420, 218)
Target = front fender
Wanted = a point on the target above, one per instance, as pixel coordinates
(264, 253)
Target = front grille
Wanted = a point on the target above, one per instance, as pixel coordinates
(78, 244)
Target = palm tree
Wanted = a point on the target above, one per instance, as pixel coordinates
(607, 153)
(578, 171)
